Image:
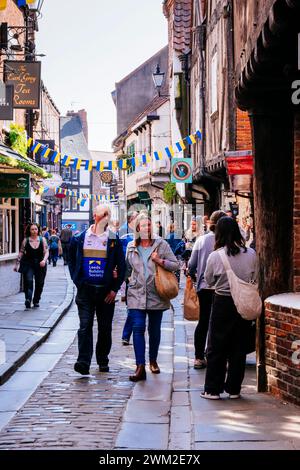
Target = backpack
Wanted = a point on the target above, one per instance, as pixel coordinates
(245, 294)
(54, 243)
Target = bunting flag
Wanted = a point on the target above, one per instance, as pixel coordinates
(180, 145)
(191, 139)
(22, 3)
(112, 165)
(170, 151)
(89, 165)
(3, 4)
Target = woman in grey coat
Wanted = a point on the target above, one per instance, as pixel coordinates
(143, 254)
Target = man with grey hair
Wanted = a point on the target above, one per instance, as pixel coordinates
(97, 268)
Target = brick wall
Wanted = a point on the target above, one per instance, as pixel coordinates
(282, 321)
(243, 131)
(296, 254)
(282, 328)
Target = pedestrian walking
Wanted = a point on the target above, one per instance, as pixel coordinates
(203, 247)
(55, 247)
(65, 238)
(97, 268)
(125, 239)
(32, 263)
(190, 237)
(143, 254)
(228, 331)
(176, 244)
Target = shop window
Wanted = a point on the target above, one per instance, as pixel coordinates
(131, 153)
(9, 236)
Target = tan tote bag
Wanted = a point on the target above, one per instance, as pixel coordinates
(191, 307)
(166, 283)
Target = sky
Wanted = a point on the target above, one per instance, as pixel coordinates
(92, 44)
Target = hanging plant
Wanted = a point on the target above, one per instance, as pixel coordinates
(17, 139)
(170, 193)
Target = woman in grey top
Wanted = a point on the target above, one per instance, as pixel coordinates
(143, 254)
(227, 329)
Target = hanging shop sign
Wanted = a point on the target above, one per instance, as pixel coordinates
(182, 170)
(39, 155)
(6, 103)
(53, 182)
(106, 177)
(239, 162)
(26, 79)
(14, 186)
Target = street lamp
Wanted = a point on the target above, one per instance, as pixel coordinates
(158, 78)
(35, 6)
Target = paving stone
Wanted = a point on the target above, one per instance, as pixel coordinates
(179, 441)
(140, 411)
(143, 436)
(180, 419)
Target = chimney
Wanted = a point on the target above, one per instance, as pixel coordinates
(82, 114)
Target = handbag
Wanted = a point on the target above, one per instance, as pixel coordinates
(191, 306)
(244, 294)
(166, 283)
(22, 266)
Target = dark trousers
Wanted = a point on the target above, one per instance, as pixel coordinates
(225, 347)
(54, 255)
(65, 248)
(205, 302)
(90, 300)
(39, 275)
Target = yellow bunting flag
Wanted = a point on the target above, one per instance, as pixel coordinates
(37, 147)
(90, 165)
(29, 142)
(114, 165)
(3, 4)
(101, 166)
(47, 153)
(57, 158)
(78, 164)
(137, 161)
(148, 158)
(68, 161)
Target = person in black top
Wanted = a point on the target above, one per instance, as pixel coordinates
(32, 262)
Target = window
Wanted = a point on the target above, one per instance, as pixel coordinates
(214, 84)
(69, 174)
(9, 227)
(131, 153)
(70, 204)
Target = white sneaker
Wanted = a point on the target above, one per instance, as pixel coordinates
(234, 397)
(209, 396)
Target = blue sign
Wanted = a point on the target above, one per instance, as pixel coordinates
(182, 170)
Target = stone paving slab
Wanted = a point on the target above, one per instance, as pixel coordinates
(143, 436)
(24, 330)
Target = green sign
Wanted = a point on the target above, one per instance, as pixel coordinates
(14, 185)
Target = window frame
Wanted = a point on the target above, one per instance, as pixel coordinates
(14, 209)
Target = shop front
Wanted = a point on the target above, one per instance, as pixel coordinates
(16, 173)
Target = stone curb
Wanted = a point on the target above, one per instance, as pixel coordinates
(7, 370)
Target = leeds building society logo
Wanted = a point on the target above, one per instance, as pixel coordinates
(296, 83)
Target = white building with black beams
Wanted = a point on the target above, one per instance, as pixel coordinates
(73, 143)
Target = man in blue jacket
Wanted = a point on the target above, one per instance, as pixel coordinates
(97, 268)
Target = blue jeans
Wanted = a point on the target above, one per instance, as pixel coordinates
(138, 319)
(127, 330)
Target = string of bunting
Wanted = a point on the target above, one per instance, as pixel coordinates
(79, 196)
(67, 160)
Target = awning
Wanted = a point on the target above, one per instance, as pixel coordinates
(11, 159)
